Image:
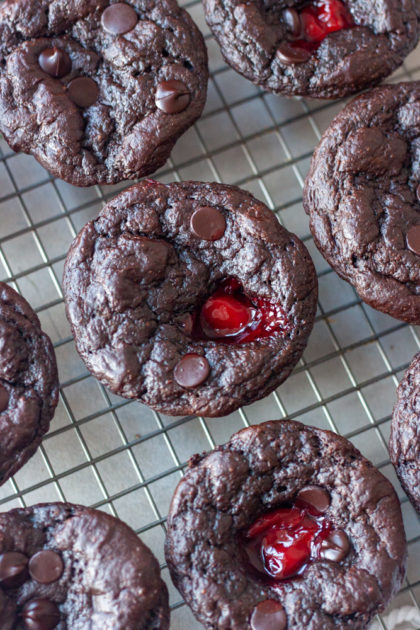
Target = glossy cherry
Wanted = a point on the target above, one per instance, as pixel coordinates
(224, 315)
(286, 549)
(281, 543)
(230, 316)
(335, 15)
(313, 29)
(318, 19)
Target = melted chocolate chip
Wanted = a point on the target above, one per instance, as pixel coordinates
(13, 569)
(4, 398)
(55, 62)
(268, 615)
(46, 566)
(292, 20)
(335, 547)
(83, 91)
(413, 239)
(290, 56)
(208, 223)
(191, 371)
(40, 614)
(316, 497)
(172, 96)
(119, 18)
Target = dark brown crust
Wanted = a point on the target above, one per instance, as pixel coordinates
(125, 135)
(133, 274)
(263, 467)
(111, 580)
(404, 444)
(347, 61)
(360, 194)
(28, 371)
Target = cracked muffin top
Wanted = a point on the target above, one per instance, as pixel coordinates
(190, 297)
(68, 567)
(404, 444)
(362, 195)
(28, 382)
(285, 527)
(97, 91)
(316, 48)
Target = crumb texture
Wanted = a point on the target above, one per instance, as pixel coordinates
(347, 61)
(133, 276)
(404, 445)
(124, 134)
(110, 581)
(363, 199)
(28, 382)
(264, 467)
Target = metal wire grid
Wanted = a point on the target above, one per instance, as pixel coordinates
(120, 456)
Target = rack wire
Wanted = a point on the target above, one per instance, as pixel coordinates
(120, 456)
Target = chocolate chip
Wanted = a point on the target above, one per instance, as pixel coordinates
(413, 239)
(315, 496)
(208, 223)
(40, 614)
(192, 370)
(289, 55)
(83, 91)
(55, 62)
(418, 192)
(13, 569)
(172, 96)
(335, 547)
(119, 18)
(268, 615)
(46, 566)
(292, 20)
(4, 398)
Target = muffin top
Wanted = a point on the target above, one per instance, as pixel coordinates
(99, 91)
(190, 297)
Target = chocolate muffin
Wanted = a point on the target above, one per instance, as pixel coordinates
(285, 526)
(28, 382)
(317, 48)
(362, 195)
(404, 444)
(99, 91)
(190, 297)
(68, 567)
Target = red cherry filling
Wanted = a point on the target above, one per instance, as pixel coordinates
(317, 20)
(224, 316)
(230, 315)
(281, 543)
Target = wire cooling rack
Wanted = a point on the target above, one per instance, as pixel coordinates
(120, 456)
